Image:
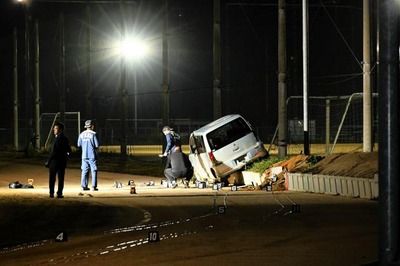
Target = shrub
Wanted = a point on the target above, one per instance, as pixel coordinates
(261, 166)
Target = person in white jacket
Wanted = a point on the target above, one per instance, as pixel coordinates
(89, 143)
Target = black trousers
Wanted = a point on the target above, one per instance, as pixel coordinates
(56, 168)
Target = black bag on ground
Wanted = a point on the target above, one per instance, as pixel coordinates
(15, 184)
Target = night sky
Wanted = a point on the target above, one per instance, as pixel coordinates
(249, 57)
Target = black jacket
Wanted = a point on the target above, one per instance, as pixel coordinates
(60, 150)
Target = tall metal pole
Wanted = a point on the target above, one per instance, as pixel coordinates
(389, 233)
(217, 59)
(123, 90)
(367, 97)
(124, 107)
(327, 125)
(282, 92)
(88, 98)
(27, 70)
(16, 101)
(165, 84)
(135, 95)
(305, 79)
(37, 88)
(62, 69)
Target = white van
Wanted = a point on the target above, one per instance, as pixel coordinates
(223, 147)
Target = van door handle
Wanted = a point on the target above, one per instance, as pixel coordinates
(236, 149)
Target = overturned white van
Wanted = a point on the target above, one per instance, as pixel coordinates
(222, 147)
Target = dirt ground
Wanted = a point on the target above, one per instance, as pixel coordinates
(195, 226)
(362, 165)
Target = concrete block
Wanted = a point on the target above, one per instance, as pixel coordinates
(290, 181)
(338, 185)
(321, 181)
(327, 185)
(306, 182)
(344, 187)
(361, 188)
(296, 182)
(368, 189)
(252, 178)
(350, 187)
(335, 185)
(356, 189)
(375, 186)
(300, 182)
(315, 184)
(332, 182)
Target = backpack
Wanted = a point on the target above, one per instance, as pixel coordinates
(176, 138)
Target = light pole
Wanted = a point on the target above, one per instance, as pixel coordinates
(135, 93)
(133, 50)
(25, 4)
(124, 107)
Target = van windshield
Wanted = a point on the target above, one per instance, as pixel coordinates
(228, 133)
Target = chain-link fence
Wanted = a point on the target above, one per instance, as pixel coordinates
(332, 120)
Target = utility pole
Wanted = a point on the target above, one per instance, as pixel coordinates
(389, 246)
(62, 69)
(37, 88)
(16, 101)
(88, 98)
(123, 90)
(367, 96)
(305, 79)
(282, 91)
(217, 59)
(27, 71)
(165, 84)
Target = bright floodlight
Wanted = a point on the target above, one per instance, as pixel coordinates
(133, 48)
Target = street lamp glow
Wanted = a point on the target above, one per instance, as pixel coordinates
(133, 48)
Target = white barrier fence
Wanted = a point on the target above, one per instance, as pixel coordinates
(334, 185)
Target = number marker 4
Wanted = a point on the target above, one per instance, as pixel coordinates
(61, 237)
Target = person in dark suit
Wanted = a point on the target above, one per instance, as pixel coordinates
(57, 161)
(178, 165)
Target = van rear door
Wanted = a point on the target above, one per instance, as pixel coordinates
(233, 154)
(229, 144)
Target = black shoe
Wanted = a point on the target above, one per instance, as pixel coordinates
(95, 189)
(186, 184)
(60, 196)
(51, 196)
(86, 188)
